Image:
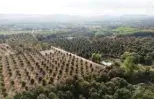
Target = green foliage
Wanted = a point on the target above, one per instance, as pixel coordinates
(130, 65)
(148, 59)
(141, 48)
(122, 93)
(42, 96)
(96, 57)
(134, 57)
(125, 30)
(52, 95)
(115, 86)
(142, 92)
(103, 32)
(108, 97)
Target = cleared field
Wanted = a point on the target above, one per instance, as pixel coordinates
(46, 52)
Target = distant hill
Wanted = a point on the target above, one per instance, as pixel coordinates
(15, 18)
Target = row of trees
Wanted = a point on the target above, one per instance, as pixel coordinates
(25, 42)
(112, 83)
(23, 71)
(113, 47)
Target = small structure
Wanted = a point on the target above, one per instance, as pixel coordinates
(106, 63)
(70, 38)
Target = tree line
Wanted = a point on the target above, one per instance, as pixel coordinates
(109, 46)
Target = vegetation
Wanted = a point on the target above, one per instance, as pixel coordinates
(42, 60)
(111, 47)
(33, 68)
(96, 57)
(111, 83)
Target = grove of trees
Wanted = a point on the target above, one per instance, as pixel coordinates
(109, 46)
(111, 83)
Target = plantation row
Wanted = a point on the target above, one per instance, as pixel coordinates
(108, 46)
(27, 70)
(1, 82)
(5, 49)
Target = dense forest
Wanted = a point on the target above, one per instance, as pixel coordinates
(109, 46)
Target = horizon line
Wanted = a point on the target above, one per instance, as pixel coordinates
(75, 15)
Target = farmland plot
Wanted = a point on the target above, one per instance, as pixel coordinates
(29, 69)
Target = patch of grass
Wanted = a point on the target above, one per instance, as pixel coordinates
(125, 30)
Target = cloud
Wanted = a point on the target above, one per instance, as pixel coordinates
(77, 7)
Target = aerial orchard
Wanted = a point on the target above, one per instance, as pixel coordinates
(26, 70)
(5, 49)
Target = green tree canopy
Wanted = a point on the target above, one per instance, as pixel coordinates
(96, 57)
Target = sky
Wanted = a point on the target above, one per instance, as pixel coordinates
(77, 7)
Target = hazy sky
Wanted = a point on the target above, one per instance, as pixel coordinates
(77, 7)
